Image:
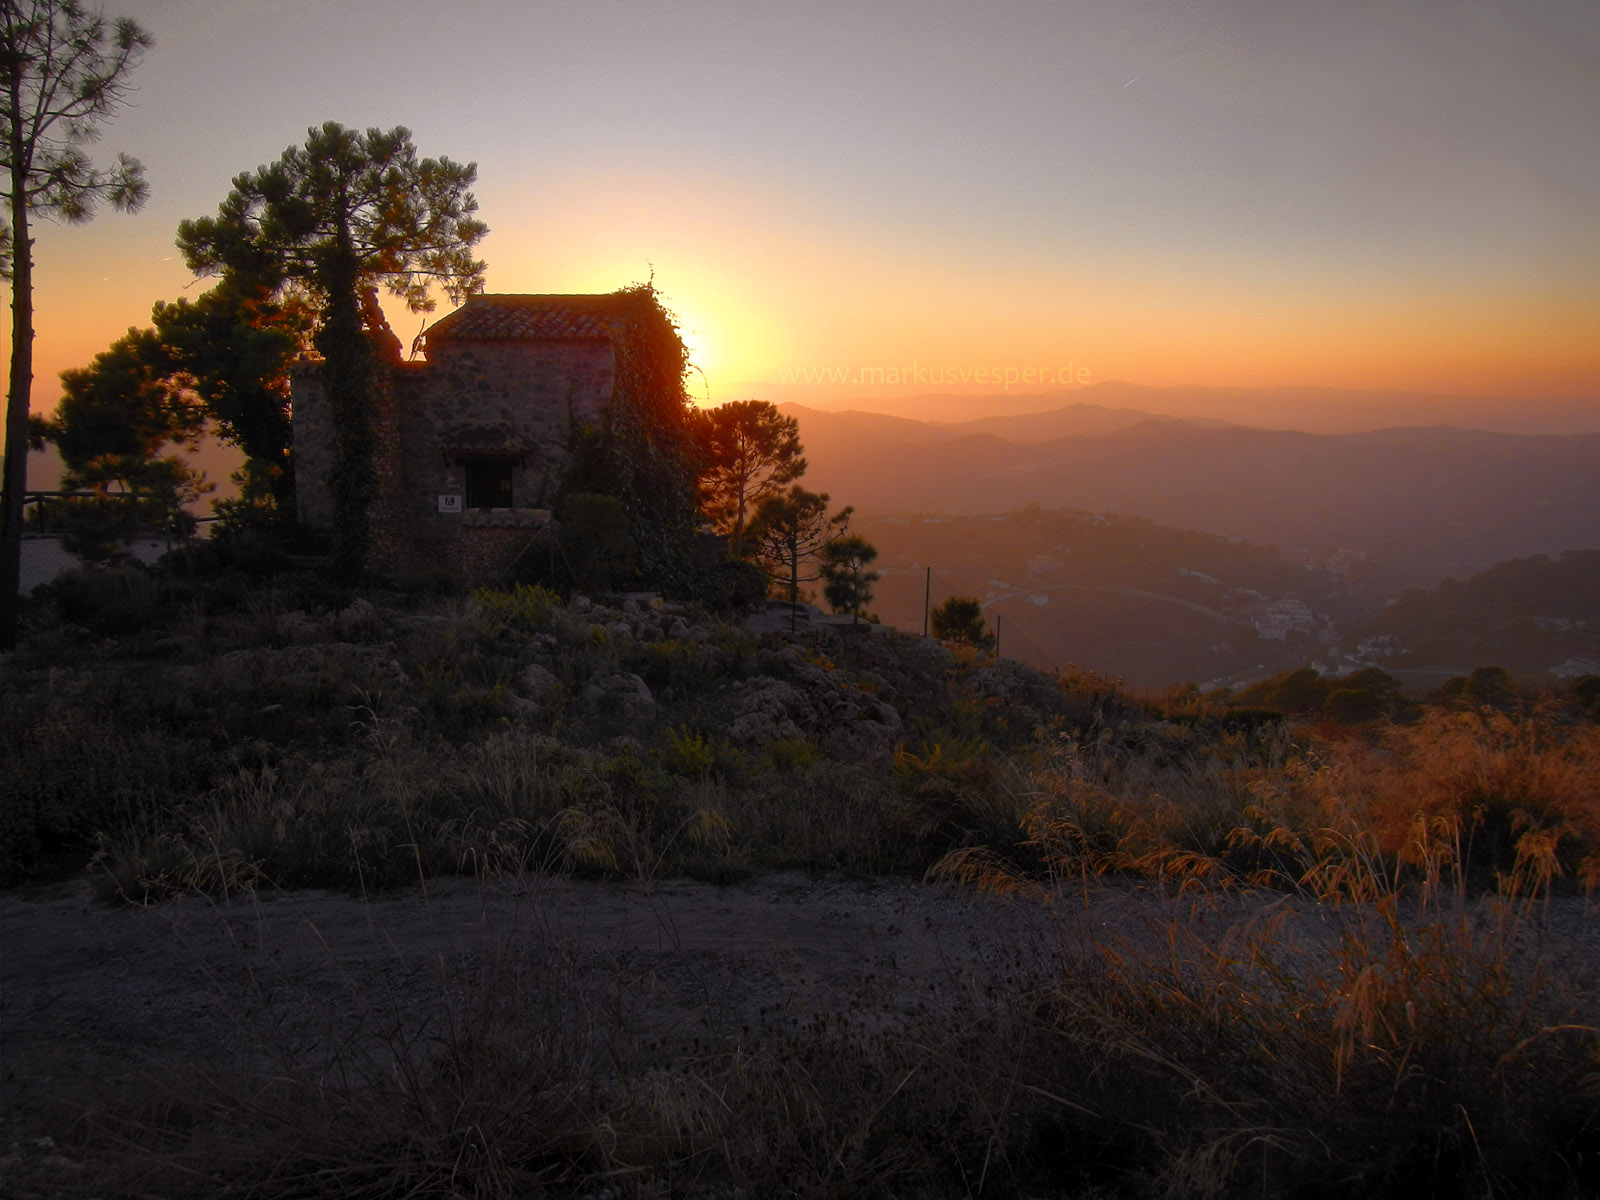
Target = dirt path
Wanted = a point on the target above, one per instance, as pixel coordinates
(95, 998)
(98, 1005)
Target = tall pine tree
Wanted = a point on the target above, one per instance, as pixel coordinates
(63, 72)
(345, 212)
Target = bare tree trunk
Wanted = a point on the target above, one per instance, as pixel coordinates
(15, 486)
(347, 370)
(794, 586)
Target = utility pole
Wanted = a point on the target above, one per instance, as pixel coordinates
(927, 597)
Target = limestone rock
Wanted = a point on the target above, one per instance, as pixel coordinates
(620, 697)
(307, 666)
(536, 681)
(359, 618)
(812, 704)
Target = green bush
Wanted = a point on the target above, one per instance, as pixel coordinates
(731, 587)
(687, 752)
(110, 601)
(526, 608)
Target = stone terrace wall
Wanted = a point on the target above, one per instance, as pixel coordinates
(489, 543)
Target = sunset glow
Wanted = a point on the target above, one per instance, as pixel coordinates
(941, 598)
(1269, 196)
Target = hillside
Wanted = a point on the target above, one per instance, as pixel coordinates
(1535, 616)
(1305, 409)
(1076, 420)
(1146, 603)
(1400, 507)
(514, 895)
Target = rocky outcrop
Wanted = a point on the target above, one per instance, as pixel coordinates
(622, 698)
(810, 703)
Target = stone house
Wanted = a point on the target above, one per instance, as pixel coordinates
(473, 439)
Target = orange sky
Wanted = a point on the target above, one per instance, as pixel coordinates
(1400, 196)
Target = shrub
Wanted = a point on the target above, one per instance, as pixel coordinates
(110, 601)
(687, 752)
(731, 587)
(960, 620)
(1485, 687)
(526, 608)
(680, 665)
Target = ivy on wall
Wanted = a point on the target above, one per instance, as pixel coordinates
(642, 451)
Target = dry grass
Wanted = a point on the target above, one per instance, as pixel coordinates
(1399, 1049)
(1479, 800)
(1229, 1046)
(1359, 995)
(1427, 1040)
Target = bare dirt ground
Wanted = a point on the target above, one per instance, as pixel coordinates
(96, 999)
(96, 1002)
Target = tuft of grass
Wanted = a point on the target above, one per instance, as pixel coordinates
(76, 764)
(523, 607)
(1402, 1049)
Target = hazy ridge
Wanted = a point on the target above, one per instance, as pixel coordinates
(1303, 409)
(1411, 505)
(1160, 549)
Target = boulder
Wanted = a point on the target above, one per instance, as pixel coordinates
(358, 619)
(813, 704)
(537, 682)
(620, 697)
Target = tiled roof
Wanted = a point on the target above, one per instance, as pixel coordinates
(531, 318)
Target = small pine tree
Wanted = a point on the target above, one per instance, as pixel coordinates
(960, 620)
(846, 582)
(790, 529)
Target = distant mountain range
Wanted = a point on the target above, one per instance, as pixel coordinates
(1392, 508)
(1023, 427)
(1303, 409)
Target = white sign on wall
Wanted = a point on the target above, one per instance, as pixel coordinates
(449, 502)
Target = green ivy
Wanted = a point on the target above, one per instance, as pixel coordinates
(642, 450)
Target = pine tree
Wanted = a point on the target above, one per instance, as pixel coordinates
(751, 451)
(63, 72)
(337, 216)
(846, 581)
(790, 529)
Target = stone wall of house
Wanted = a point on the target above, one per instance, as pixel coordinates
(516, 400)
(483, 399)
(393, 544)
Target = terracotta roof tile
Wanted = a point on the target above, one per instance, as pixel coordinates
(531, 318)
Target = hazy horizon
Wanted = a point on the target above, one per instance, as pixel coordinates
(1307, 409)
